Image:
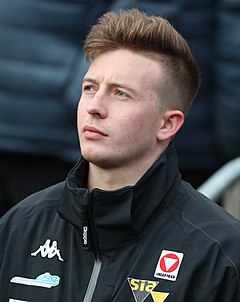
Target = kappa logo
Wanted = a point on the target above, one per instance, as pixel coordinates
(48, 250)
(141, 289)
(168, 265)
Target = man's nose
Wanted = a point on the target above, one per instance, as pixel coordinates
(97, 105)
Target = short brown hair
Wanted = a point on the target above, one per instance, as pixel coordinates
(156, 38)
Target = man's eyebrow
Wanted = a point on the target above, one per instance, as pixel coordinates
(114, 84)
(89, 80)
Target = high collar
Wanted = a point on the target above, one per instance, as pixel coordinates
(120, 216)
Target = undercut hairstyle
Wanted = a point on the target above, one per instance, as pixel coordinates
(155, 38)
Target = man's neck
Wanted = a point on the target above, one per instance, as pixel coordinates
(106, 179)
(116, 178)
(119, 176)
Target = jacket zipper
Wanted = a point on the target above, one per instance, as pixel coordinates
(97, 262)
(93, 280)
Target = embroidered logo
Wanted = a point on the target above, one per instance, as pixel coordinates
(45, 280)
(141, 289)
(48, 250)
(168, 265)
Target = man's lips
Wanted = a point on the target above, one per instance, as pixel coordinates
(92, 132)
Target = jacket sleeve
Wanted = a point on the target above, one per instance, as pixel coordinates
(229, 289)
(3, 239)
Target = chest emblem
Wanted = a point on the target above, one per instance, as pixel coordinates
(48, 249)
(45, 280)
(141, 289)
(168, 265)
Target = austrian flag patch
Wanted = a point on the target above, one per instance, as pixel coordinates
(168, 265)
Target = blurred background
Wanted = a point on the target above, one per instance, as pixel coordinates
(41, 68)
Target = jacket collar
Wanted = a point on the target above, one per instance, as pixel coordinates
(120, 216)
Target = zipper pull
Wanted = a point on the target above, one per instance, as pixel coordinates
(85, 231)
(85, 235)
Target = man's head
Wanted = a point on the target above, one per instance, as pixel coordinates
(155, 38)
(140, 83)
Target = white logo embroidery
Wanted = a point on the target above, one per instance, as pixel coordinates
(48, 251)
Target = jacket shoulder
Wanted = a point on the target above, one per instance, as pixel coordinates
(33, 204)
(209, 229)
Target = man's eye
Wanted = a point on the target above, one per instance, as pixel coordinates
(121, 93)
(88, 88)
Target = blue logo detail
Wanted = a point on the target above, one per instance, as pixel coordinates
(43, 280)
(48, 279)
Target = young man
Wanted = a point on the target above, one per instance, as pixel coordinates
(124, 226)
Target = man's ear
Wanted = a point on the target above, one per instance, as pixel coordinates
(172, 121)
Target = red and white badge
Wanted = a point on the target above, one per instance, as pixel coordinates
(168, 265)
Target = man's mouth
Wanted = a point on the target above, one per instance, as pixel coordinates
(91, 132)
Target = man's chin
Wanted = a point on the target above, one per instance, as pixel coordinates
(103, 162)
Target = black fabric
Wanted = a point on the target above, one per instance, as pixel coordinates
(127, 231)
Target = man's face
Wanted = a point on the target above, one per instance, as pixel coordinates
(119, 112)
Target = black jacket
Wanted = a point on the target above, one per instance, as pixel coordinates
(159, 240)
